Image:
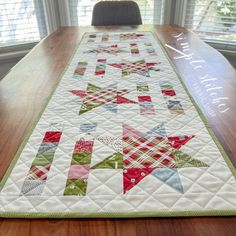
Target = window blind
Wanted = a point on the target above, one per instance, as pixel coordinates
(152, 11)
(214, 20)
(21, 21)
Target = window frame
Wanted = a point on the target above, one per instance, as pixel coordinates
(180, 15)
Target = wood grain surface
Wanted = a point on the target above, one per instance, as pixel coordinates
(209, 77)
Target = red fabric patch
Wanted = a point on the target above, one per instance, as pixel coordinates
(144, 99)
(151, 144)
(157, 156)
(178, 141)
(132, 176)
(168, 92)
(144, 149)
(121, 92)
(151, 64)
(101, 60)
(100, 73)
(125, 151)
(136, 144)
(36, 173)
(126, 162)
(142, 140)
(163, 150)
(52, 136)
(122, 100)
(133, 156)
(126, 138)
(116, 65)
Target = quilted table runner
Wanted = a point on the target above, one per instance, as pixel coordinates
(120, 137)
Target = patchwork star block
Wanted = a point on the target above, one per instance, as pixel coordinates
(153, 152)
(108, 97)
(131, 36)
(111, 49)
(140, 67)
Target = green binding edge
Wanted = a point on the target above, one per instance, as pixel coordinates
(191, 213)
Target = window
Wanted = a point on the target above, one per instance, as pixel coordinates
(81, 11)
(26, 21)
(21, 21)
(212, 20)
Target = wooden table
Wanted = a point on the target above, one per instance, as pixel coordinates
(209, 77)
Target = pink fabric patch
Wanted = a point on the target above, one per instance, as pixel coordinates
(78, 172)
(147, 111)
(83, 146)
(80, 93)
(80, 70)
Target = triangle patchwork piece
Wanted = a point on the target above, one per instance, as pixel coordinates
(121, 100)
(178, 141)
(170, 177)
(110, 107)
(115, 161)
(158, 131)
(184, 160)
(132, 176)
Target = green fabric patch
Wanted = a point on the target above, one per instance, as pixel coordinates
(101, 68)
(142, 88)
(83, 63)
(43, 160)
(89, 107)
(125, 73)
(92, 88)
(75, 187)
(81, 158)
(184, 160)
(140, 62)
(167, 87)
(115, 161)
(92, 36)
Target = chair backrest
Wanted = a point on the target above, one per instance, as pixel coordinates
(116, 13)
